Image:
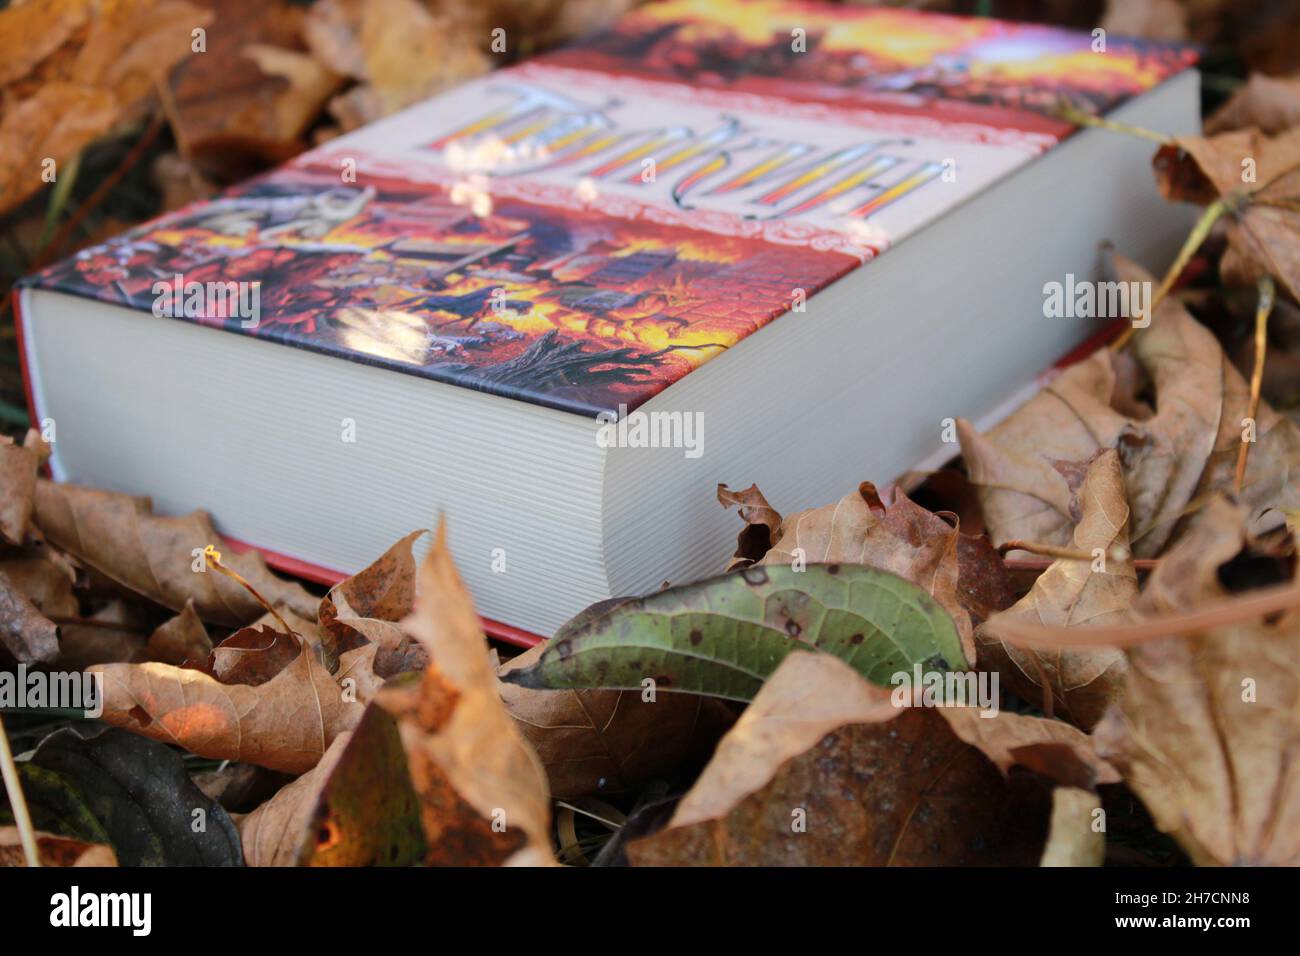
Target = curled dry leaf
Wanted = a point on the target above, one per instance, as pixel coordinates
(1258, 176)
(248, 100)
(1203, 730)
(26, 635)
(180, 639)
(482, 790)
(1073, 838)
(1268, 103)
(1082, 682)
(607, 741)
(355, 808)
(370, 605)
(762, 525)
(400, 50)
(54, 850)
(153, 555)
(283, 723)
(18, 467)
(1171, 456)
(823, 769)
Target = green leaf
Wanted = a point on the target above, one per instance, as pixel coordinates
(724, 636)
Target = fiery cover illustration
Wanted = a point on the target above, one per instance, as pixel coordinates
(567, 277)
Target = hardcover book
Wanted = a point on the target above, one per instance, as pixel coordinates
(724, 241)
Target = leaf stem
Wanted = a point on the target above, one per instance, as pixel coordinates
(1262, 311)
(1194, 239)
(1072, 114)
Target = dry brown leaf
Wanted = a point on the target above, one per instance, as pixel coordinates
(26, 635)
(31, 31)
(962, 573)
(18, 467)
(285, 723)
(251, 96)
(370, 605)
(399, 49)
(133, 44)
(355, 808)
(1268, 103)
(180, 639)
(1170, 457)
(607, 741)
(47, 584)
(1205, 728)
(1052, 748)
(1073, 838)
(823, 769)
(53, 850)
(762, 525)
(155, 556)
(1259, 176)
(482, 789)
(113, 634)
(1082, 682)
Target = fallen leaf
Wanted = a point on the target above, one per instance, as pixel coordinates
(482, 789)
(823, 769)
(370, 605)
(723, 636)
(961, 572)
(250, 97)
(31, 31)
(285, 723)
(355, 808)
(1259, 177)
(609, 741)
(1082, 682)
(133, 794)
(762, 525)
(1170, 457)
(53, 850)
(180, 639)
(401, 51)
(18, 466)
(26, 635)
(155, 556)
(1270, 104)
(46, 583)
(1202, 730)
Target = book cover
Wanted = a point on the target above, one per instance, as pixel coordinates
(582, 230)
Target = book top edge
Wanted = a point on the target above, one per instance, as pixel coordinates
(584, 229)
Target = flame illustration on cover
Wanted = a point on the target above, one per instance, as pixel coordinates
(584, 229)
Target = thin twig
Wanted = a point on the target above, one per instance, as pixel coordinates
(18, 802)
(1257, 374)
(1256, 604)
(1055, 551)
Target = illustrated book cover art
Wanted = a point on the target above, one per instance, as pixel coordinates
(583, 229)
